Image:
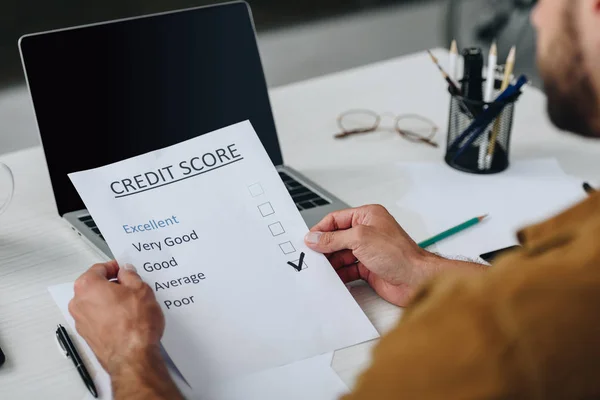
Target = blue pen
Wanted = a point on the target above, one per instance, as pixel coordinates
(488, 116)
(479, 125)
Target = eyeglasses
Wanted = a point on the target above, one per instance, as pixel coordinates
(410, 126)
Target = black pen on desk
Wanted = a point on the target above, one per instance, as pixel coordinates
(68, 347)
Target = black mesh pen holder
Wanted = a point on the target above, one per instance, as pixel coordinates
(481, 156)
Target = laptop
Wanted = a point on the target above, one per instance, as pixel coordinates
(110, 91)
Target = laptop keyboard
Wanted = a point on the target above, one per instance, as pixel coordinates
(304, 198)
(89, 222)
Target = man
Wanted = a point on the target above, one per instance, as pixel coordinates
(527, 328)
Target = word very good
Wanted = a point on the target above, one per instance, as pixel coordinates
(169, 241)
(193, 279)
(150, 225)
(157, 266)
(173, 173)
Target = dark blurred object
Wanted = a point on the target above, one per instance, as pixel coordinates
(492, 255)
(477, 23)
(588, 188)
(472, 82)
(496, 23)
(28, 16)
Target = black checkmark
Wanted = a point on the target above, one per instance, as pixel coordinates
(300, 261)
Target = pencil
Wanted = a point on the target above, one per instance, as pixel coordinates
(508, 70)
(455, 90)
(453, 60)
(451, 232)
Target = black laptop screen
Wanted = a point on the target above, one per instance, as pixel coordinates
(108, 92)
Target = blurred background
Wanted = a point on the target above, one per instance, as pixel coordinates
(298, 40)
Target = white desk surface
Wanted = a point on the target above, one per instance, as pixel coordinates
(38, 250)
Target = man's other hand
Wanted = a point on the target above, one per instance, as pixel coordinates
(122, 322)
(367, 243)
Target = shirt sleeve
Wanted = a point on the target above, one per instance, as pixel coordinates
(527, 329)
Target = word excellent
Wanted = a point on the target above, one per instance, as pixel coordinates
(169, 174)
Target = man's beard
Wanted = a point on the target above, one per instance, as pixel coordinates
(572, 102)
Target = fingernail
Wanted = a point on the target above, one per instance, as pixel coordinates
(129, 267)
(313, 237)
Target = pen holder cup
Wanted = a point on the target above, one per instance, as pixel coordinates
(480, 157)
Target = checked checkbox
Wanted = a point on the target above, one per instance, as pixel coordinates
(298, 264)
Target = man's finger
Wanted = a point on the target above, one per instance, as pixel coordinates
(103, 271)
(97, 273)
(341, 259)
(128, 276)
(336, 220)
(349, 274)
(353, 273)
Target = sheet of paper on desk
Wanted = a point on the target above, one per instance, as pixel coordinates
(62, 295)
(529, 192)
(312, 378)
(307, 379)
(212, 229)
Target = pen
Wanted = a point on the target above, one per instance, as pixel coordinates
(481, 123)
(508, 70)
(493, 110)
(488, 97)
(453, 60)
(68, 347)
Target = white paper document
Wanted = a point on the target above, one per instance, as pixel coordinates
(212, 229)
(529, 192)
(312, 378)
(62, 295)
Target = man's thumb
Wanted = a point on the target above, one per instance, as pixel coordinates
(329, 242)
(128, 276)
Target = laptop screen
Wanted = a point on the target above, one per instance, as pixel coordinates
(107, 92)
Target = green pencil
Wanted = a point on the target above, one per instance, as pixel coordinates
(451, 231)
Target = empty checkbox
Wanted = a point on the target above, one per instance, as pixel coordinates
(266, 209)
(276, 229)
(287, 248)
(256, 190)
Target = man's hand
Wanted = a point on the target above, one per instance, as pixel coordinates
(123, 324)
(118, 320)
(367, 243)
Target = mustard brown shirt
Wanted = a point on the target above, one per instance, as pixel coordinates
(527, 329)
